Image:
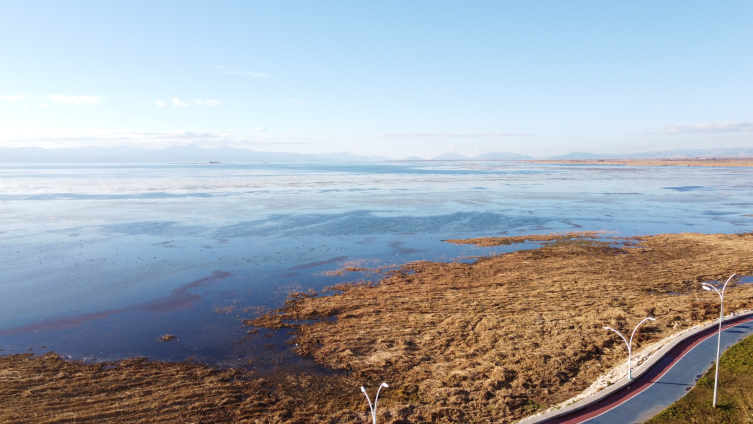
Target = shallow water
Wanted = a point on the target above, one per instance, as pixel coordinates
(99, 260)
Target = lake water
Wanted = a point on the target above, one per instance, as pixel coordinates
(98, 261)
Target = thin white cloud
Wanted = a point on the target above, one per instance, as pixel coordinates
(207, 102)
(14, 98)
(195, 102)
(259, 129)
(160, 103)
(711, 127)
(74, 100)
(445, 135)
(44, 106)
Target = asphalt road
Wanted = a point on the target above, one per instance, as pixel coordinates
(665, 383)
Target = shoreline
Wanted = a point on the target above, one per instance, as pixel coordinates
(513, 334)
(502, 338)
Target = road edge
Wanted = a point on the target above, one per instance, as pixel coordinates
(637, 372)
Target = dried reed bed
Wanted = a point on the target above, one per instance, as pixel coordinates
(510, 334)
(506, 241)
(47, 389)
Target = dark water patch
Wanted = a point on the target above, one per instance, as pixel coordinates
(178, 299)
(397, 246)
(163, 243)
(685, 188)
(153, 228)
(367, 240)
(368, 223)
(468, 260)
(319, 263)
(63, 323)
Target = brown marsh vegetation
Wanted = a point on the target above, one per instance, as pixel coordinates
(47, 389)
(495, 340)
(507, 335)
(166, 338)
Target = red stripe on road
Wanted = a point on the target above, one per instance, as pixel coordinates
(643, 382)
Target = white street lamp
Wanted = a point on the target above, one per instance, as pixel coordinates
(709, 287)
(376, 398)
(630, 343)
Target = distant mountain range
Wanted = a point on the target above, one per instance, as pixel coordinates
(670, 154)
(196, 154)
(182, 154)
(485, 156)
(684, 153)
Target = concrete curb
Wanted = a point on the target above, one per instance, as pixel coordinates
(638, 371)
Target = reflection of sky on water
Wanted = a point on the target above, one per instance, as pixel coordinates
(99, 260)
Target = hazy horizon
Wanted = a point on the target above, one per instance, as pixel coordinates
(195, 153)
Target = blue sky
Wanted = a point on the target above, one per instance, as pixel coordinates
(388, 78)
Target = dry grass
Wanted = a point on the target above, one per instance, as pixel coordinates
(166, 338)
(47, 389)
(370, 266)
(505, 241)
(508, 335)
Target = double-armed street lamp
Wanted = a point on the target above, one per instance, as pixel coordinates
(709, 287)
(630, 343)
(376, 398)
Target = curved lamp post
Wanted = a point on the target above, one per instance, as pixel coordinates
(630, 343)
(376, 398)
(709, 287)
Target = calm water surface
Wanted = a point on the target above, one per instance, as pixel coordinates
(97, 261)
